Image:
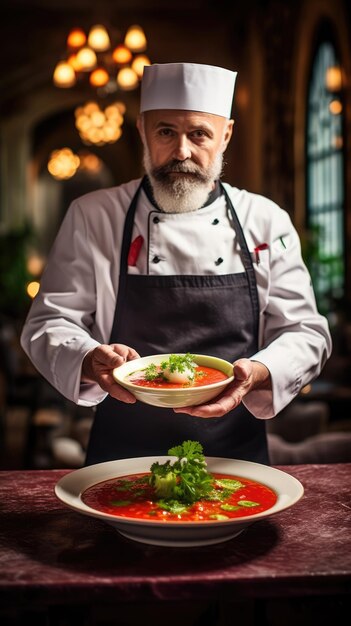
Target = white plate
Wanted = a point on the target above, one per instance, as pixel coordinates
(180, 534)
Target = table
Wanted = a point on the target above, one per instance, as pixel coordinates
(54, 560)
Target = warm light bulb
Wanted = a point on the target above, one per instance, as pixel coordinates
(98, 119)
(64, 75)
(335, 107)
(72, 60)
(127, 79)
(86, 58)
(33, 288)
(76, 38)
(35, 264)
(99, 77)
(121, 107)
(139, 63)
(135, 39)
(333, 79)
(306, 389)
(98, 126)
(98, 38)
(338, 142)
(63, 164)
(90, 107)
(90, 162)
(121, 55)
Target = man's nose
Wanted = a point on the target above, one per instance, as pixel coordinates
(182, 150)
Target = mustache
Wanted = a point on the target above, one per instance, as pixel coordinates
(162, 172)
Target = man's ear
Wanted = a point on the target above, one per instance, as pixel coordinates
(140, 127)
(228, 133)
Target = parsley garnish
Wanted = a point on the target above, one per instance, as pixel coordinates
(151, 372)
(179, 363)
(186, 480)
(175, 363)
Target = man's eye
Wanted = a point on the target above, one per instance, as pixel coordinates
(165, 132)
(199, 133)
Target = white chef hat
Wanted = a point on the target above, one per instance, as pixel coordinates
(188, 87)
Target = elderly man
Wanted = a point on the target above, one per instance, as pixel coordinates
(178, 262)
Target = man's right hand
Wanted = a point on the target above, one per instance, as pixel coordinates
(98, 364)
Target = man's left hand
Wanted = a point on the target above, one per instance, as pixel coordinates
(248, 375)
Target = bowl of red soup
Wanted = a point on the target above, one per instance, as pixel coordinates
(175, 380)
(124, 495)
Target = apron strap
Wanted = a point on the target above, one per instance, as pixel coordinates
(246, 259)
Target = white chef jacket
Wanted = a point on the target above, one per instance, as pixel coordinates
(74, 309)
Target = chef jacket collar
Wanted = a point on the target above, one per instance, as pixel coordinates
(213, 195)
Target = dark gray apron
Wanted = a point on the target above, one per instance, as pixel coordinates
(213, 314)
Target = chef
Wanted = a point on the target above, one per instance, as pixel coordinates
(178, 262)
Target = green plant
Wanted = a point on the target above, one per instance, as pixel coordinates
(14, 275)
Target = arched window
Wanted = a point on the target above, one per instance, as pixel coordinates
(325, 177)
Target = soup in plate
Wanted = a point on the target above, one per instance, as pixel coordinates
(176, 372)
(133, 496)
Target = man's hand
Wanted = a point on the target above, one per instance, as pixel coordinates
(248, 375)
(98, 365)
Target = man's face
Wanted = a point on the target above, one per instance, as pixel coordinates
(181, 135)
(183, 155)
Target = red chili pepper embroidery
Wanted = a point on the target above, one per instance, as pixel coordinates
(134, 250)
(257, 250)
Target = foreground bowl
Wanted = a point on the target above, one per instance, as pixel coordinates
(178, 534)
(173, 398)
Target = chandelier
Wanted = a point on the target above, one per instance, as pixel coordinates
(105, 66)
(97, 125)
(64, 164)
(92, 58)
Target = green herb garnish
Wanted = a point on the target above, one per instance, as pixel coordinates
(179, 363)
(151, 372)
(175, 363)
(229, 483)
(230, 507)
(173, 506)
(186, 480)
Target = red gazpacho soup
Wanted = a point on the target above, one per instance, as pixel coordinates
(203, 375)
(132, 496)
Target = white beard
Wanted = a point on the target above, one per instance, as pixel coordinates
(183, 194)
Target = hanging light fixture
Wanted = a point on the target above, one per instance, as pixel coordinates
(127, 78)
(63, 164)
(99, 77)
(122, 55)
(98, 38)
(135, 39)
(335, 107)
(108, 67)
(138, 64)
(76, 38)
(333, 78)
(100, 126)
(86, 59)
(64, 75)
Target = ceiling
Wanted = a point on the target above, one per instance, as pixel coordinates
(33, 32)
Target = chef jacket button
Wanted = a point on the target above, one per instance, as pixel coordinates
(215, 221)
(219, 261)
(156, 220)
(156, 259)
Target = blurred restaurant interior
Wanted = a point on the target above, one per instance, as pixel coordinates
(68, 106)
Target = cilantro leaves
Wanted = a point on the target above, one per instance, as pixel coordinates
(186, 479)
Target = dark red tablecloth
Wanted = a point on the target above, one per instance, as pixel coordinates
(51, 554)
